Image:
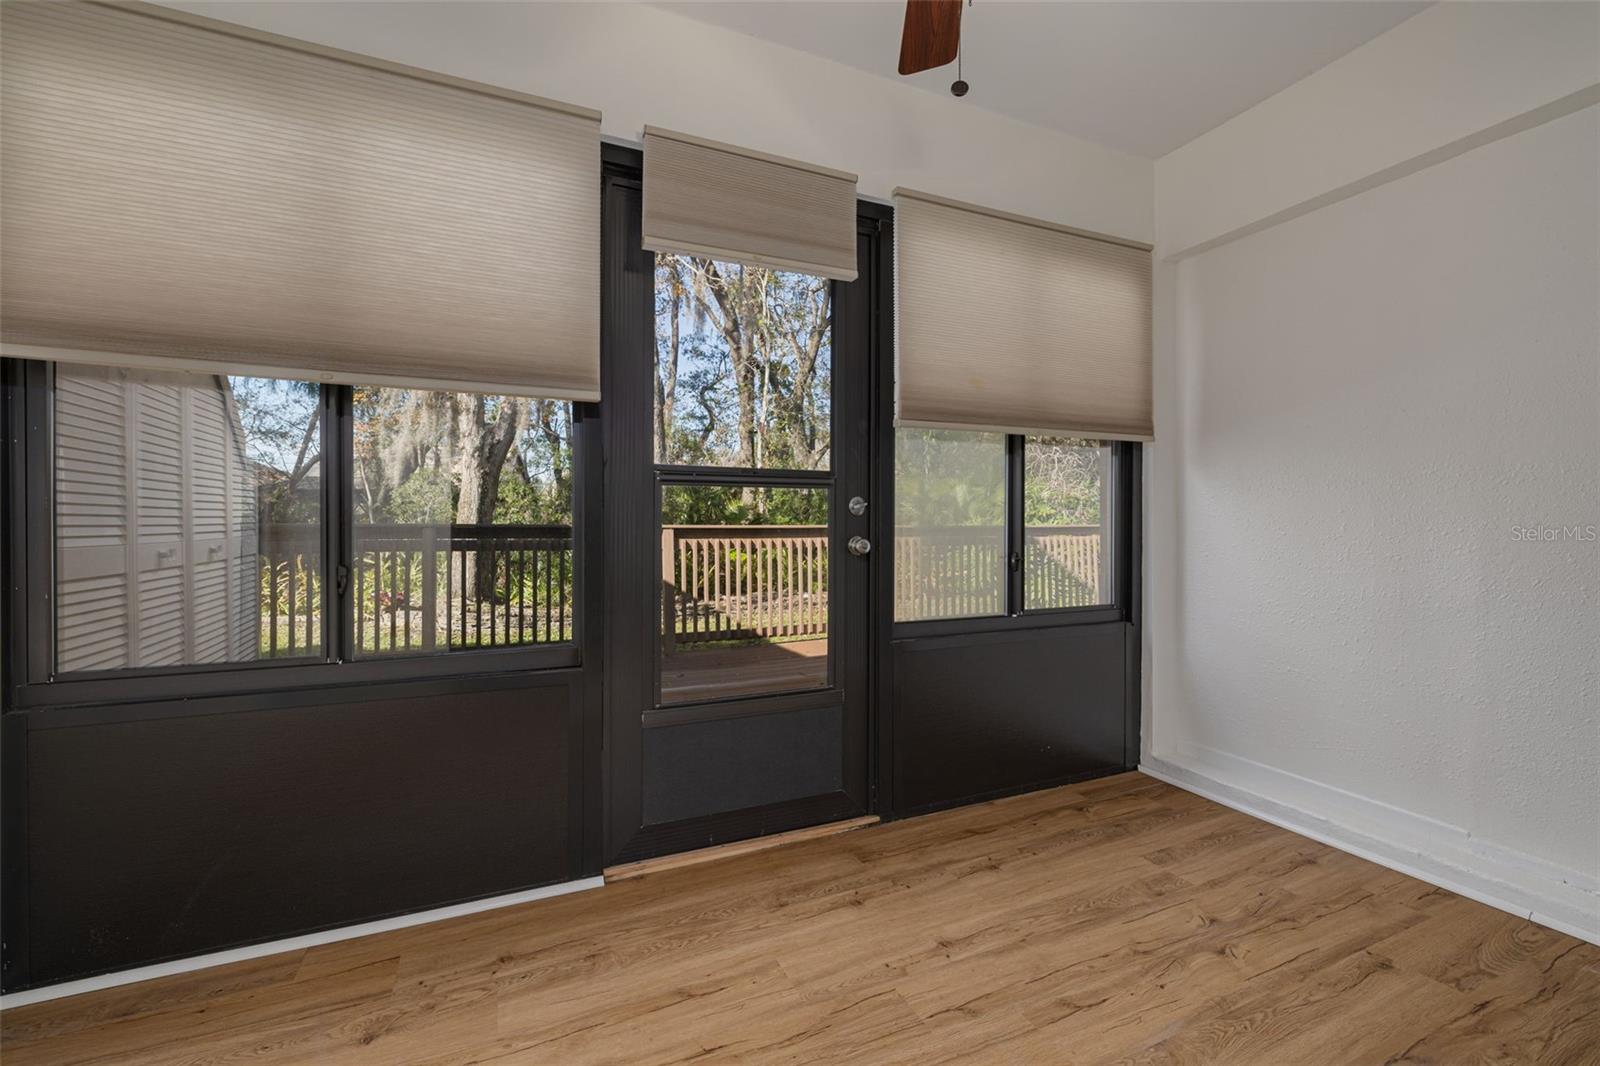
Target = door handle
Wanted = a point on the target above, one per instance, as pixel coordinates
(859, 545)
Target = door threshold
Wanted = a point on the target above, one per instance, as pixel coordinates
(736, 848)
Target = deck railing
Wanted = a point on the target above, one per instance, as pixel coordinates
(291, 589)
(949, 572)
(421, 588)
(1063, 567)
(442, 588)
(743, 582)
(771, 582)
(436, 588)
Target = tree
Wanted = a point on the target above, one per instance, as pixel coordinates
(1062, 479)
(743, 368)
(442, 458)
(281, 422)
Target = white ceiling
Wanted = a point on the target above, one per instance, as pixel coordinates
(1145, 77)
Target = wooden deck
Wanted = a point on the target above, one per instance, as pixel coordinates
(1117, 921)
(691, 674)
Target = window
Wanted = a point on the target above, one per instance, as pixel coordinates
(195, 521)
(950, 524)
(990, 525)
(463, 522)
(188, 519)
(743, 381)
(744, 374)
(744, 588)
(1066, 557)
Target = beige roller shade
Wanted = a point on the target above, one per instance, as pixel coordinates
(1006, 323)
(706, 198)
(176, 190)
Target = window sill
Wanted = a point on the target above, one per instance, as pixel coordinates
(270, 680)
(1068, 616)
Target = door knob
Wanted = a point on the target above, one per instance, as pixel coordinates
(859, 545)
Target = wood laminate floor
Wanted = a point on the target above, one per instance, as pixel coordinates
(1116, 921)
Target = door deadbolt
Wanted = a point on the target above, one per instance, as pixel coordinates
(857, 505)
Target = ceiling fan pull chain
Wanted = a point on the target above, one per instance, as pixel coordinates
(959, 87)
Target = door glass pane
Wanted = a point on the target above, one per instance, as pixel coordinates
(744, 591)
(950, 524)
(463, 522)
(1066, 558)
(188, 519)
(744, 366)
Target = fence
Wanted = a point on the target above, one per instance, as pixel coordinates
(424, 588)
(743, 582)
(437, 588)
(291, 589)
(1062, 567)
(771, 582)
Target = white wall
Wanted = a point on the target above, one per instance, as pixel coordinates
(640, 64)
(1441, 82)
(1357, 408)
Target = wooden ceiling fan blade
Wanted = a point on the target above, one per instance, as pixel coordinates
(932, 34)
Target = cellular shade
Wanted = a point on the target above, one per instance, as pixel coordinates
(1007, 323)
(706, 198)
(177, 191)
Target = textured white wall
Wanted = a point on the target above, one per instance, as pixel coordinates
(1364, 405)
(640, 64)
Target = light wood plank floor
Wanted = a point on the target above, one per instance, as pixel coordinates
(1116, 921)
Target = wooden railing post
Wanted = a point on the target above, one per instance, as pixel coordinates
(669, 591)
(430, 588)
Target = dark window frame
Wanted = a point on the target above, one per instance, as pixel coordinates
(1124, 548)
(29, 665)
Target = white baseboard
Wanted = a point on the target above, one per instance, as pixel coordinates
(1433, 851)
(296, 943)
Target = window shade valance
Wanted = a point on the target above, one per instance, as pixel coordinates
(1007, 323)
(176, 190)
(706, 198)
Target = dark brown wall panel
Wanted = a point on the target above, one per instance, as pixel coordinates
(153, 837)
(980, 715)
(730, 764)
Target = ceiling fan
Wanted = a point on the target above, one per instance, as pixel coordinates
(932, 37)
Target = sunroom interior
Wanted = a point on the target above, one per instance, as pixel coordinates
(990, 532)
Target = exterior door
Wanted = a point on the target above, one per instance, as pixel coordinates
(739, 495)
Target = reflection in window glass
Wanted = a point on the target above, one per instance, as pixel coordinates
(188, 519)
(463, 521)
(744, 591)
(744, 365)
(949, 516)
(1066, 559)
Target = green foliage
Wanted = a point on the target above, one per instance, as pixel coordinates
(426, 497)
(729, 505)
(949, 478)
(430, 457)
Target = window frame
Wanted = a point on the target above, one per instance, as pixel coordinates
(29, 530)
(1126, 462)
